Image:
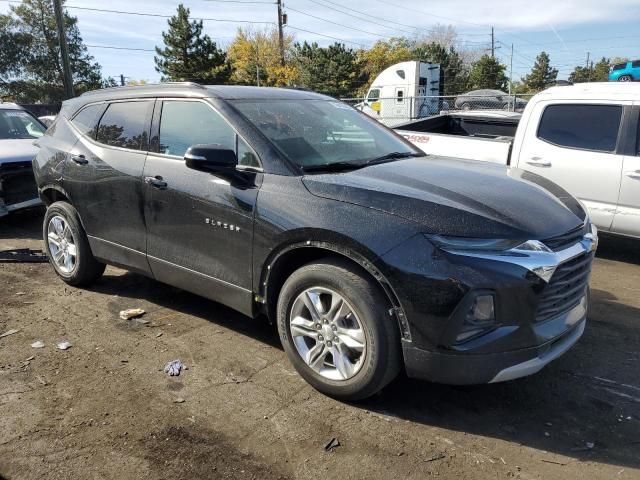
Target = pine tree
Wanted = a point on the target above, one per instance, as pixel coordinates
(542, 75)
(334, 70)
(594, 73)
(488, 73)
(188, 55)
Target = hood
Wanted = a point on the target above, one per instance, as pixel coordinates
(457, 197)
(22, 150)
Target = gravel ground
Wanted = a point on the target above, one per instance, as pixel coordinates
(105, 409)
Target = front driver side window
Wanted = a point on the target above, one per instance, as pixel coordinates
(183, 124)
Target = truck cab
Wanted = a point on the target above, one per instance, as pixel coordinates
(403, 92)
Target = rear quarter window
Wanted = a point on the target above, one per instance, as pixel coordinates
(86, 120)
(620, 66)
(124, 125)
(586, 127)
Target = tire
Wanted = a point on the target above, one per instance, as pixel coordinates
(465, 106)
(63, 235)
(625, 78)
(368, 323)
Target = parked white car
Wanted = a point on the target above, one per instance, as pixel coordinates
(584, 137)
(18, 130)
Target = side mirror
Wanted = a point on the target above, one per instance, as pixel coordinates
(210, 158)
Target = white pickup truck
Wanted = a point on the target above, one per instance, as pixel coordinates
(584, 137)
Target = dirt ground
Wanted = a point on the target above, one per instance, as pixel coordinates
(105, 409)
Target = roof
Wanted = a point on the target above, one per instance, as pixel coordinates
(10, 106)
(225, 92)
(594, 90)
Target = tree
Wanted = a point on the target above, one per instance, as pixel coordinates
(334, 70)
(255, 58)
(488, 72)
(595, 73)
(381, 55)
(542, 75)
(455, 75)
(30, 64)
(188, 55)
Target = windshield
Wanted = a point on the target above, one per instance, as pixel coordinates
(18, 124)
(322, 132)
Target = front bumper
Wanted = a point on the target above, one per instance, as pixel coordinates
(464, 368)
(18, 188)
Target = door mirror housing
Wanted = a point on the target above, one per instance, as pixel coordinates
(210, 158)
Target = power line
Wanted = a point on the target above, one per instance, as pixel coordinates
(336, 23)
(121, 48)
(360, 44)
(157, 15)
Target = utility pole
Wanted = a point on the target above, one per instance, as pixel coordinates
(511, 72)
(493, 44)
(590, 70)
(257, 65)
(281, 17)
(64, 50)
(121, 80)
(587, 64)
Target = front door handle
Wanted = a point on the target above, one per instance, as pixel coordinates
(156, 182)
(538, 162)
(79, 159)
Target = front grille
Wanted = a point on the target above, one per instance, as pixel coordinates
(566, 287)
(565, 240)
(17, 183)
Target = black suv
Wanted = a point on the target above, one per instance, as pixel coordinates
(368, 255)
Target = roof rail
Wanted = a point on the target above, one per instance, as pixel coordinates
(154, 85)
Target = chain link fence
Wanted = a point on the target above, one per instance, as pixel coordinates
(396, 110)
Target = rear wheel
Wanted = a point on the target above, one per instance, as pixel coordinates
(334, 326)
(67, 246)
(625, 78)
(465, 106)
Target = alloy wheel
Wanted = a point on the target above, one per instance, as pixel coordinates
(62, 244)
(327, 333)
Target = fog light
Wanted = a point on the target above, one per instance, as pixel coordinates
(480, 318)
(482, 311)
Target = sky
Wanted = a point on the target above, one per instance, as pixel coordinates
(568, 30)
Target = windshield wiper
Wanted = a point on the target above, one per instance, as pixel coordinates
(333, 167)
(392, 156)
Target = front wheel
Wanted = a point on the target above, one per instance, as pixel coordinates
(334, 325)
(67, 246)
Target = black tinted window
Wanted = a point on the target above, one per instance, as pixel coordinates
(183, 124)
(635, 63)
(124, 125)
(620, 66)
(86, 120)
(592, 127)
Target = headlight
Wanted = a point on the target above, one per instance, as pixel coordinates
(473, 244)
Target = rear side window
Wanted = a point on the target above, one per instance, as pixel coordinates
(86, 120)
(635, 63)
(125, 125)
(620, 66)
(183, 124)
(589, 127)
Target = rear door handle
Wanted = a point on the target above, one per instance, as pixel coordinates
(156, 182)
(79, 159)
(633, 174)
(538, 162)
